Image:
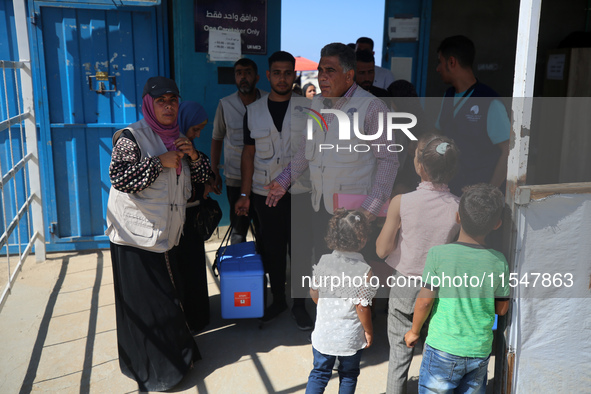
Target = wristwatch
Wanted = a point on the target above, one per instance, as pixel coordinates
(243, 195)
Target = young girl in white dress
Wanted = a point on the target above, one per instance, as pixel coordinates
(342, 288)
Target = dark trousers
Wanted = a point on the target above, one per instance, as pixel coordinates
(302, 246)
(275, 240)
(320, 221)
(241, 223)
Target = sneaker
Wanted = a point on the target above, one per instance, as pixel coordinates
(273, 311)
(303, 320)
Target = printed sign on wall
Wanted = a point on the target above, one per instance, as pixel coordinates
(247, 17)
(224, 45)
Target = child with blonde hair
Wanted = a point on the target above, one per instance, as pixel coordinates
(415, 222)
(341, 286)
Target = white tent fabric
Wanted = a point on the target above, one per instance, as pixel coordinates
(551, 325)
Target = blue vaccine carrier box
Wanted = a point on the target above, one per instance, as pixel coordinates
(241, 281)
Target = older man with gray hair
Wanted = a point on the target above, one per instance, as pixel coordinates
(348, 171)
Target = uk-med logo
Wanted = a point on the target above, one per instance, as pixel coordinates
(473, 115)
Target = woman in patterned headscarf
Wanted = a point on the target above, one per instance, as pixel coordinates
(152, 171)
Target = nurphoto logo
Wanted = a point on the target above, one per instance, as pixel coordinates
(352, 117)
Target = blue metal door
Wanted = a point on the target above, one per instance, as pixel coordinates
(93, 65)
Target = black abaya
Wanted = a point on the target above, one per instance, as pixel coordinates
(155, 346)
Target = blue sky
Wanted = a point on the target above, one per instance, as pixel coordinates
(308, 25)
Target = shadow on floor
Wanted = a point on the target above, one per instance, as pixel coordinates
(31, 374)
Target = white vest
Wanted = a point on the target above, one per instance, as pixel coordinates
(341, 171)
(153, 218)
(273, 148)
(234, 111)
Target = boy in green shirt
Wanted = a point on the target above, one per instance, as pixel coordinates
(465, 284)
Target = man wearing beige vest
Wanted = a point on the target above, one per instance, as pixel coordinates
(268, 128)
(227, 133)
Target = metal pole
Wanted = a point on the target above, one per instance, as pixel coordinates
(20, 20)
